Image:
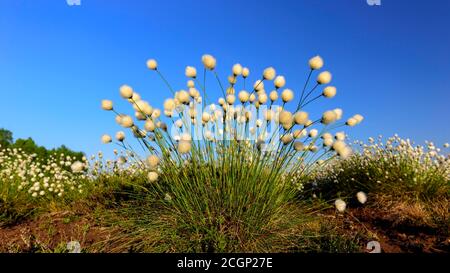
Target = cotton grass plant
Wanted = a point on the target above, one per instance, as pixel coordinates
(222, 172)
(395, 167)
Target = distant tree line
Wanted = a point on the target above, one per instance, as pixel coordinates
(29, 146)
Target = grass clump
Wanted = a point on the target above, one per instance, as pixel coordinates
(222, 176)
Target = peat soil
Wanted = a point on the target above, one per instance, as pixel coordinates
(51, 232)
(396, 236)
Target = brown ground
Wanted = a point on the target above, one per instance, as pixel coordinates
(51, 232)
(397, 235)
(390, 227)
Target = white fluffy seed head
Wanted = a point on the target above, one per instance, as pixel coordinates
(153, 161)
(183, 96)
(279, 82)
(287, 95)
(107, 105)
(269, 73)
(329, 92)
(244, 96)
(169, 104)
(142, 106)
(152, 64)
(301, 117)
(328, 117)
(152, 176)
(126, 91)
(237, 69)
(252, 97)
(135, 97)
(120, 136)
(206, 117)
(190, 72)
(324, 77)
(77, 167)
(245, 72)
(194, 92)
(262, 98)
(358, 118)
(338, 112)
(258, 85)
(126, 121)
(339, 146)
(316, 62)
(351, 122)
(313, 133)
(232, 79)
(106, 139)
(345, 152)
(230, 90)
(362, 197)
(184, 146)
(273, 95)
(209, 61)
(340, 136)
(179, 123)
(231, 99)
(340, 205)
(328, 142)
(150, 125)
(285, 117)
(156, 113)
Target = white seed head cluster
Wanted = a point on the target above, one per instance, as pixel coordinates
(25, 174)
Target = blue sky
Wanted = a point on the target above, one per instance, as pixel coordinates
(390, 63)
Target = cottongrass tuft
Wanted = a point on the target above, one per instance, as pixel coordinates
(228, 166)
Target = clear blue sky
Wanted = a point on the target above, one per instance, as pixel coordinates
(390, 63)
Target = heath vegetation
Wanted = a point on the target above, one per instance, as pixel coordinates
(251, 171)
